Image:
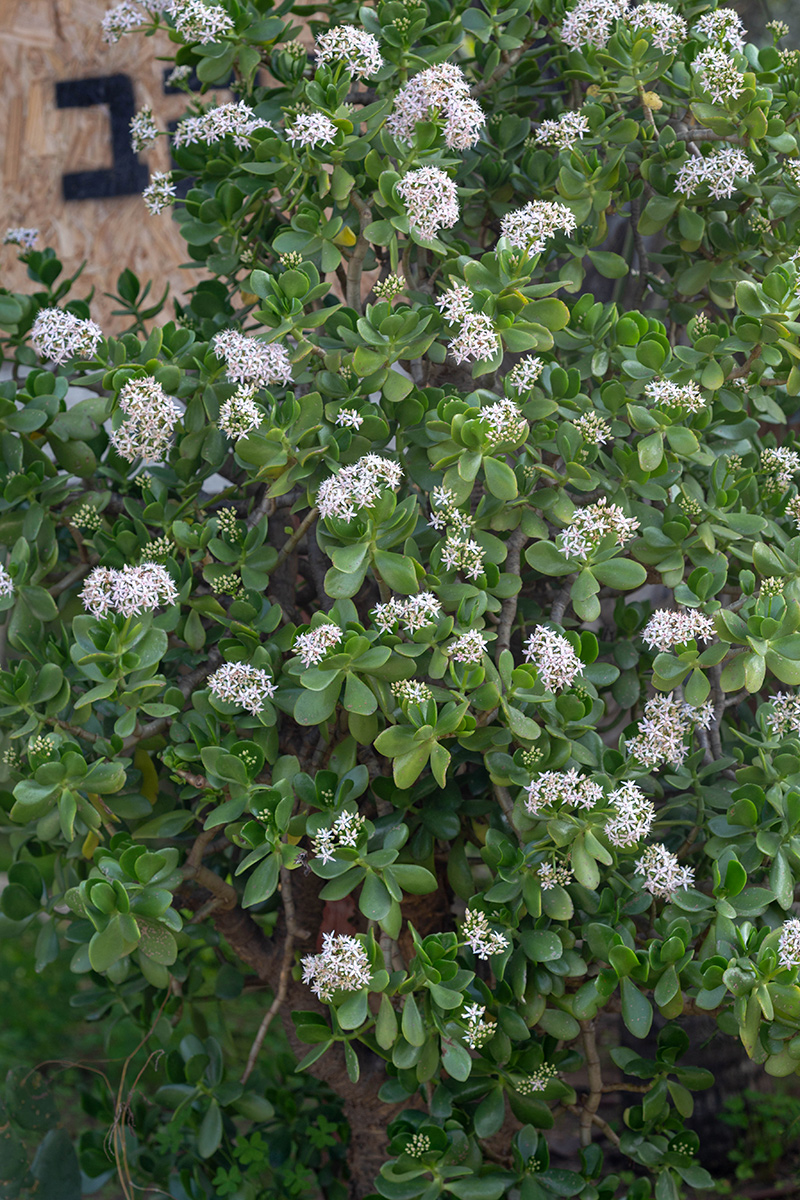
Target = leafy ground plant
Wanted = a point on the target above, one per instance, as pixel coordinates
(398, 628)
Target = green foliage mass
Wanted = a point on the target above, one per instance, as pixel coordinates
(405, 629)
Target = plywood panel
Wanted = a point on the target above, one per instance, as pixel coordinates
(43, 42)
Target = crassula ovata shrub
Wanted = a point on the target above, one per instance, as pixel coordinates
(402, 627)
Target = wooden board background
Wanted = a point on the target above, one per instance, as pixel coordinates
(41, 43)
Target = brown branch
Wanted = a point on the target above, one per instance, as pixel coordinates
(595, 1120)
(562, 600)
(355, 264)
(592, 1101)
(501, 70)
(283, 978)
(297, 536)
(509, 610)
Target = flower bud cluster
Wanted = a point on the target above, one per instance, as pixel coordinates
(411, 691)
(469, 647)
(414, 611)
(431, 201)
(440, 90)
(311, 129)
(632, 816)
(537, 1081)
(504, 423)
(344, 831)
(478, 1031)
(357, 49)
(144, 131)
(594, 430)
(718, 170)
(482, 941)
(552, 789)
(357, 486)
(249, 360)
(315, 644)
(674, 627)
(781, 465)
(239, 683)
(342, 966)
(58, 335)
(226, 120)
(663, 874)
(553, 875)
(564, 132)
(663, 728)
(555, 660)
(529, 228)
(785, 715)
(150, 418)
(129, 591)
(665, 393)
(22, 237)
(159, 193)
(590, 525)
(240, 415)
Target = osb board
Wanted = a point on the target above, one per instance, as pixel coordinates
(43, 42)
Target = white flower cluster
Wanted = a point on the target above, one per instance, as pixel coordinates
(414, 611)
(249, 360)
(6, 582)
(59, 336)
(178, 75)
(159, 193)
(723, 26)
(591, 524)
(238, 683)
(239, 414)
(785, 715)
(551, 789)
(460, 552)
(478, 1031)
(662, 730)
(632, 817)
(455, 303)
(564, 132)
(129, 592)
(418, 1145)
(553, 875)
(673, 627)
(431, 200)
(312, 129)
(476, 340)
(411, 691)
(666, 27)
(663, 874)
(150, 417)
(482, 941)
(594, 430)
(717, 74)
(342, 966)
(789, 943)
(343, 832)
(537, 1081)
(528, 228)
(469, 647)
(667, 394)
(235, 120)
(349, 418)
(20, 236)
(781, 464)
(124, 18)
(439, 90)
(504, 423)
(719, 170)
(315, 644)
(356, 486)
(200, 22)
(554, 658)
(144, 131)
(357, 49)
(590, 21)
(523, 376)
